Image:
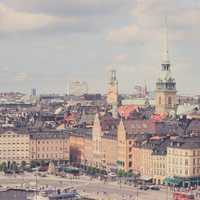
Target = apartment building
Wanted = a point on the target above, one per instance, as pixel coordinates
(183, 160)
(49, 145)
(14, 146)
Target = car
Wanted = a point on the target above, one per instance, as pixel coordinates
(143, 187)
(154, 187)
(112, 174)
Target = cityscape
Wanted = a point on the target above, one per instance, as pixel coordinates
(91, 143)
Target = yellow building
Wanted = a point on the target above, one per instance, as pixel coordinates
(109, 149)
(14, 146)
(150, 158)
(104, 139)
(183, 159)
(49, 145)
(125, 139)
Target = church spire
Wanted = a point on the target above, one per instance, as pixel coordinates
(165, 45)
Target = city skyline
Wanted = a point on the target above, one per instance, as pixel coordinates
(45, 46)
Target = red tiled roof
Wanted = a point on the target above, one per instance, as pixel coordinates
(125, 110)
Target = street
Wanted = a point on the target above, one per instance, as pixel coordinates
(86, 187)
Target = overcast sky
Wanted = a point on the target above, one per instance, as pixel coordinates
(47, 43)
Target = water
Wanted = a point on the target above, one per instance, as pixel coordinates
(13, 195)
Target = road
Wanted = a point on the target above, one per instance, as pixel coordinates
(91, 188)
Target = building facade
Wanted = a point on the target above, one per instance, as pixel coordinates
(183, 160)
(78, 88)
(14, 146)
(50, 145)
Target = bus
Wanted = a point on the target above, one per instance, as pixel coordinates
(183, 196)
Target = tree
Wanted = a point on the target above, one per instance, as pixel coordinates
(34, 163)
(3, 166)
(13, 166)
(23, 164)
(121, 173)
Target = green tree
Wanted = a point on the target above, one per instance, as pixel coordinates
(3, 166)
(23, 164)
(121, 173)
(13, 166)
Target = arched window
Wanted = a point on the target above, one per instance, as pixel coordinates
(159, 101)
(169, 100)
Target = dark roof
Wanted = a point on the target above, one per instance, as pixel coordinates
(83, 132)
(194, 126)
(49, 135)
(87, 118)
(185, 143)
(157, 144)
(166, 127)
(139, 126)
(108, 123)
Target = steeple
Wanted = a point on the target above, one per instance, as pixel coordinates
(166, 84)
(165, 59)
(113, 77)
(112, 93)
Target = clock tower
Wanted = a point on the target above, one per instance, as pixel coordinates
(166, 85)
(112, 93)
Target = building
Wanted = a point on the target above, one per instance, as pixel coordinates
(183, 161)
(49, 145)
(104, 139)
(33, 92)
(80, 146)
(112, 93)
(127, 131)
(77, 88)
(150, 157)
(14, 146)
(166, 86)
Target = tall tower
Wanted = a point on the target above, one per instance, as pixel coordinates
(112, 93)
(166, 84)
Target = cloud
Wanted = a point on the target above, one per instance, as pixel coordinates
(70, 7)
(120, 58)
(12, 21)
(22, 77)
(124, 34)
(148, 22)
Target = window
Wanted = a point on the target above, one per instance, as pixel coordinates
(159, 101)
(169, 100)
(186, 161)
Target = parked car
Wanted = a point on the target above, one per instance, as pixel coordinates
(154, 187)
(143, 187)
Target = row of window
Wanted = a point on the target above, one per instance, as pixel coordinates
(49, 156)
(184, 153)
(13, 136)
(14, 143)
(13, 150)
(47, 148)
(186, 162)
(48, 142)
(13, 158)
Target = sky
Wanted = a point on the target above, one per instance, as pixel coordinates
(45, 44)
